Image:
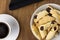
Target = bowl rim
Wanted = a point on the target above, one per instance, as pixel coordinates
(35, 12)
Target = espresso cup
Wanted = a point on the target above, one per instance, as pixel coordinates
(9, 27)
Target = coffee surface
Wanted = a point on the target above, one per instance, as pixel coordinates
(4, 30)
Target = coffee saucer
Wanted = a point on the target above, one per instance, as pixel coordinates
(13, 26)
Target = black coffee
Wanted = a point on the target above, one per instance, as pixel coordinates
(4, 30)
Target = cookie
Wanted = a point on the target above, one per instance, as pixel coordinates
(49, 6)
(57, 11)
(42, 32)
(45, 20)
(56, 15)
(36, 32)
(53, 31)
(40, 15)
(46, 26)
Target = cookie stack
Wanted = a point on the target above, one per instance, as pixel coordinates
(46, 24)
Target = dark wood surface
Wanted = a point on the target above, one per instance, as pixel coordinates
(23, 15)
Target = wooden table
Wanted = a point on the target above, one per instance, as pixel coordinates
(23, 15)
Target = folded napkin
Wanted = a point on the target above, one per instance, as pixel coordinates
(21, 3)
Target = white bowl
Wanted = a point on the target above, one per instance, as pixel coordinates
(13, 26)
(42, 8)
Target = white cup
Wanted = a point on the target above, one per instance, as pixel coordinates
(12, 25)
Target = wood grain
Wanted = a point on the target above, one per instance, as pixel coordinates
(55, 1)
(23, 16)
